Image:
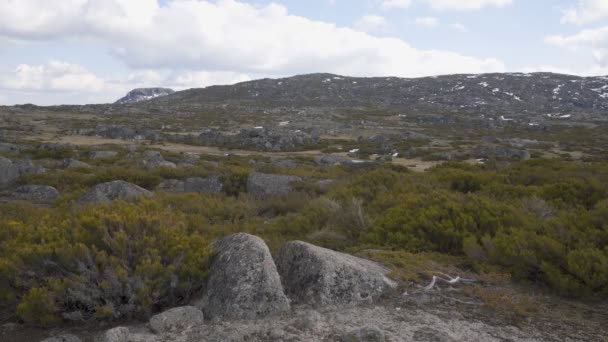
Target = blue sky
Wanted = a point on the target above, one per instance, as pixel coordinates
(89, 51)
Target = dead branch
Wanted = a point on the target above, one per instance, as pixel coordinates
(448, 280)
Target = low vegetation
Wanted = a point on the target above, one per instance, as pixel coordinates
(543, 221)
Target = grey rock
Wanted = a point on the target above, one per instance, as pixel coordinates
(501, 153)
(319, 276)
(118, 334)
(325, 184)
(263, 185)
(243, 280)
(10, 171)
(9, 148)
(35, 193)
(285, 164)
(365, 334)
(331, 160)
(264, 139)
(70, 163)
(107, 192)
(154, 159)
(103, 154)
(191, 159)
(62, 338)
(181, 318)
(431, 335)
(208, 185)
(120, 132)
(308, 320)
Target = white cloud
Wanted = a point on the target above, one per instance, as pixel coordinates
(442, 5)
(197, 79)
(46, 82)
(590, 37)
(594, 40)
(401, 4)
(371, 23)
(54, 76)
(459, 27)
(230, 36)
(427, 21)
(586, 11)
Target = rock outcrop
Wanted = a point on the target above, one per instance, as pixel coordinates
(153, 160)
(107, 192)
(319, 277)
(243, 280)
(10, 171)
(118, 334)
(263, 185)
(263, 139)
(34, 193)
(143, 94)
(181, 318)
(207, 185)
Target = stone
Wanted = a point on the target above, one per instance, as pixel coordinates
(331, 160)
(365, 334)
(319, 276)
(9, 148)
(35, 193)
(154, 159)
(243, 280)
(118, 334)
(431, 335)
(103, 154)
(10, 171)
(325, 184)
(308, 320)
(285, 164)
(107, 192)
(72, 163)
(208, 185)
(63, 338)
(263, 185)
(181, 318)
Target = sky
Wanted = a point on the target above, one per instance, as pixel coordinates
(95, 51)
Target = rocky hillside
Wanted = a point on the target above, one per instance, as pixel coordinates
(143, 94)
(543, 93)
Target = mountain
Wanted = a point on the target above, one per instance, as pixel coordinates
(508, 93)
(143, 94)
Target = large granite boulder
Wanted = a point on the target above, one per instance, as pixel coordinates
(207, 185)
(263, 185)
(319, 276)
(181, 318)
(107, 192)
(35, 193)
(10, 171)
(154, 159)
(243, 280)
(118, 334)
